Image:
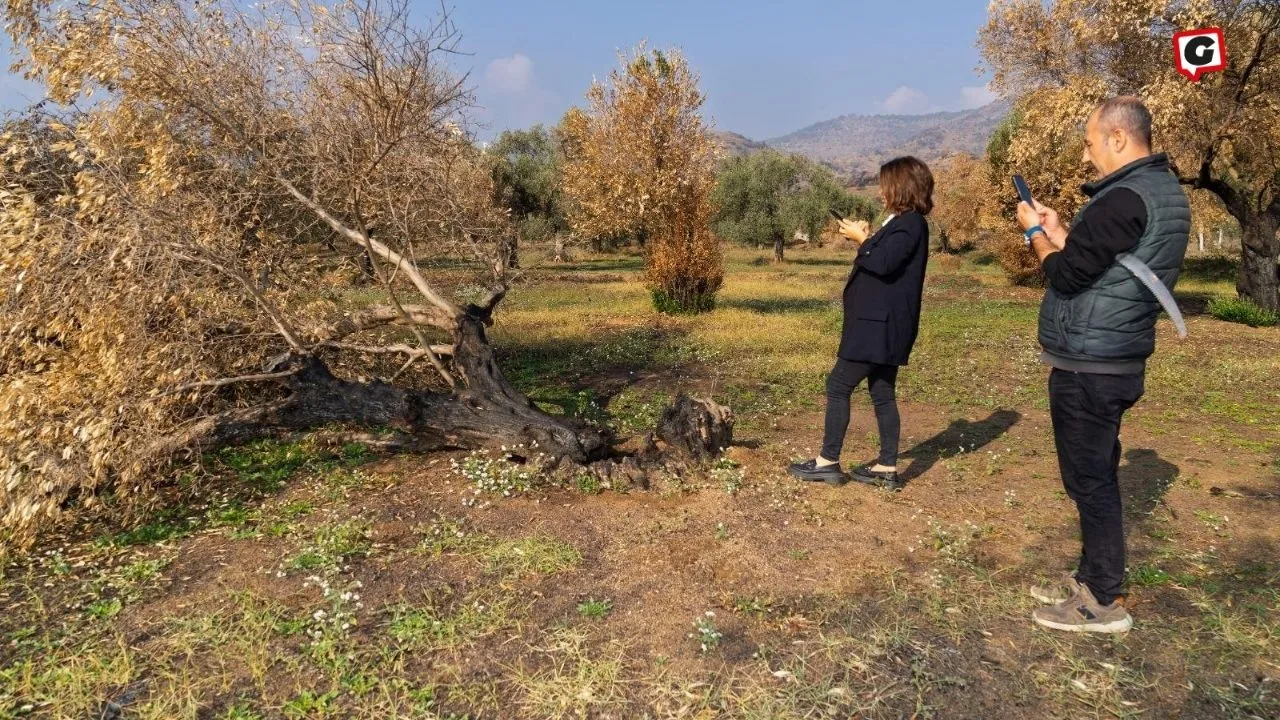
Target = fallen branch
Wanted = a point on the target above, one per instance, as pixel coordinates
(261, 377)
(362, 240)
(378, 316)
(414, 352)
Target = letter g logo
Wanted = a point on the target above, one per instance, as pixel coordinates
(1197, 52)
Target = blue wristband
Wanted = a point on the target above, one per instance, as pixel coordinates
(1031, 232)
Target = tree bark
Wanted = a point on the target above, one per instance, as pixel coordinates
(487, 412)
(698, 430)
(511, 251)
(1259, 278)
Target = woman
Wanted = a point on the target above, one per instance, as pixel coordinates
(881, 320)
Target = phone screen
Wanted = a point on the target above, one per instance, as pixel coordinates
(1024, 192)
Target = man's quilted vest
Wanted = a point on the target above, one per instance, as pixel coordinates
(1114, 319)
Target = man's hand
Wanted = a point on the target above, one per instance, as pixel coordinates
(1048, 219)
(1045, 217)
(856, 230)
(1028, 217)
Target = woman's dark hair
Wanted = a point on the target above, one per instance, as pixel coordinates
(907, 185)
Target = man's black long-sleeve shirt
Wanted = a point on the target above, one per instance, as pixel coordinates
(1111, 225)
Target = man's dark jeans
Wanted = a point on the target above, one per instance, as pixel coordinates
(844, 377)
(1086, 410)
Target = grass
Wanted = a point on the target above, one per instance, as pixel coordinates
(331, 545)
(1240, 310)
(577, 680)
(595, 609)
(433, 627)
(265, 465)
(537, 555)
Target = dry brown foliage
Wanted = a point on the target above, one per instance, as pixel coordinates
(962, 190)
(168, 251)
(640, 162)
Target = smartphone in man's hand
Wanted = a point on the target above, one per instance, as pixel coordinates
(1024, 192)
(836, 215)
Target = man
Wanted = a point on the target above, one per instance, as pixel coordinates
(1097, 328)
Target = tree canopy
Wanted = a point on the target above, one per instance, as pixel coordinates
(527, 173)
(640, 162)
(165, 250)
(765, 197)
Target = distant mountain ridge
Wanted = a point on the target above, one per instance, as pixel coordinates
(735, 144)
(855, 145)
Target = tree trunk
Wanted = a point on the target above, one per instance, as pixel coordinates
(698, 430)
(1259, 278)
(487, 412)
(779, 246)
(513, 252)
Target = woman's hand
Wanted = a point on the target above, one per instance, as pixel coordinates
(856, 230)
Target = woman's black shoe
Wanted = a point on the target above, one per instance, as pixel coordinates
(809, 470)
(887, 479)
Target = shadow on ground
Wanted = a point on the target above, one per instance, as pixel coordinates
(822, 261)
(579, 377)
(1145, 478)
(778, 305)
(960, 436)
(1193, 304)
(1211, 268)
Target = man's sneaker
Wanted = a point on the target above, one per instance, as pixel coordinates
(1055, 592)
(810, 470)
(887, 479)
(1082, 613)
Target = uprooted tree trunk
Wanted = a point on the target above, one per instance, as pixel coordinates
(485, 411)
(690, 433)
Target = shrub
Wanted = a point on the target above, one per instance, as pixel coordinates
(1020, 265)
(685, 269)
(1242, 310)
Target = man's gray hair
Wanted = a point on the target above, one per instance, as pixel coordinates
(1127, 113)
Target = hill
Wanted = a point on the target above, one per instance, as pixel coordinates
(856, 144)
(735, 145)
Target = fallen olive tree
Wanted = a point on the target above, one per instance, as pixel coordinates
(257, 219)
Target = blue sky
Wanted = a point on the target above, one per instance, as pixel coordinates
(767, 67)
